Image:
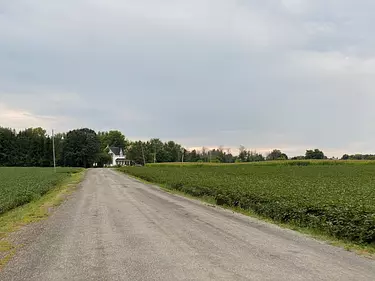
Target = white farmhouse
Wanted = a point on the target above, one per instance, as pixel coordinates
(118, 156)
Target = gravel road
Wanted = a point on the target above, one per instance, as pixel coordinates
(116, 228)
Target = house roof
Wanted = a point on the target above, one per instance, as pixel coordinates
(115, 150)
(120, 159)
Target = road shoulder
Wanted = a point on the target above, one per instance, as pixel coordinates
(366, 251)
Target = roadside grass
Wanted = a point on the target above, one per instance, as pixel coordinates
(366, 250)
(33, 212)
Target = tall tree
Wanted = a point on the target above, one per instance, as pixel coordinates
(81, 147)
(242, 156)
(112, 138)
(7, 147)
(314, 154)
(277, 155)
(156, 149)
(253, 156)
(136, 152)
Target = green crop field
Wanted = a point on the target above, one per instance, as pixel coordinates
(19, 186)
(338, 198)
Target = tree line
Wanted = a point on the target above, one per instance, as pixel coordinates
(83, 147)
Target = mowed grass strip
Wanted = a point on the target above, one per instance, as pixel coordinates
(19, 186)
(338, 200)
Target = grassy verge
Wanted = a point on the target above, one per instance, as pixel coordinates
(33, 212)
(366, 250)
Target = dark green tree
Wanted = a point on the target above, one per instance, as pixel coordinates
(112, 138)
(301, 157)
(7, 147)
(243, 154)
(81, 148)
(102, 159)
(253, 156)
(276, 154)
(155, 147)
(314, 154)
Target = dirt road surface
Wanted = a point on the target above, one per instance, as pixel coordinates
(116, 228)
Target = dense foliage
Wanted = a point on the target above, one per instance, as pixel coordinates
(19, 186)
(81, 148)
(314, 154)
(33, 147)
(358, 157)
(337, 199)
(112, 138)
(84, 147)
(276, 155)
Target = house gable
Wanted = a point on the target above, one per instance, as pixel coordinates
(115, 150)
(118, 156)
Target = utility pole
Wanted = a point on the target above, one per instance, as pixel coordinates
(54, 153)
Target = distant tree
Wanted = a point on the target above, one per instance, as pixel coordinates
(298, 157)
(59, 143)
(40, 132)
(228, 156)
(314, 154)
(358, 157)
(220, 154)
(253, 156)
(283, 157)
(345, 157)
(156, 150)
(184, 154)
(136, 151)
(47, 158)
(103, 159)
(7, 147)
(193, 156)
(112, 138)
(204, 154)
(242, 155)
(81, 148)
(277, 155)
(32, 148)
(29, 147)
(172, 151)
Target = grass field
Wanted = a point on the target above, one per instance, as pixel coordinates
(19, 186)
(335, 197)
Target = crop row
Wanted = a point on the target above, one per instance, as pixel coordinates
(19, 186)
(337, 199)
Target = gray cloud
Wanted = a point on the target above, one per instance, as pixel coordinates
(291, 74)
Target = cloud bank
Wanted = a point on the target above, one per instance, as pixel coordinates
(291, 74)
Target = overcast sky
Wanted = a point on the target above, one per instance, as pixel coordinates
(287, 74)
